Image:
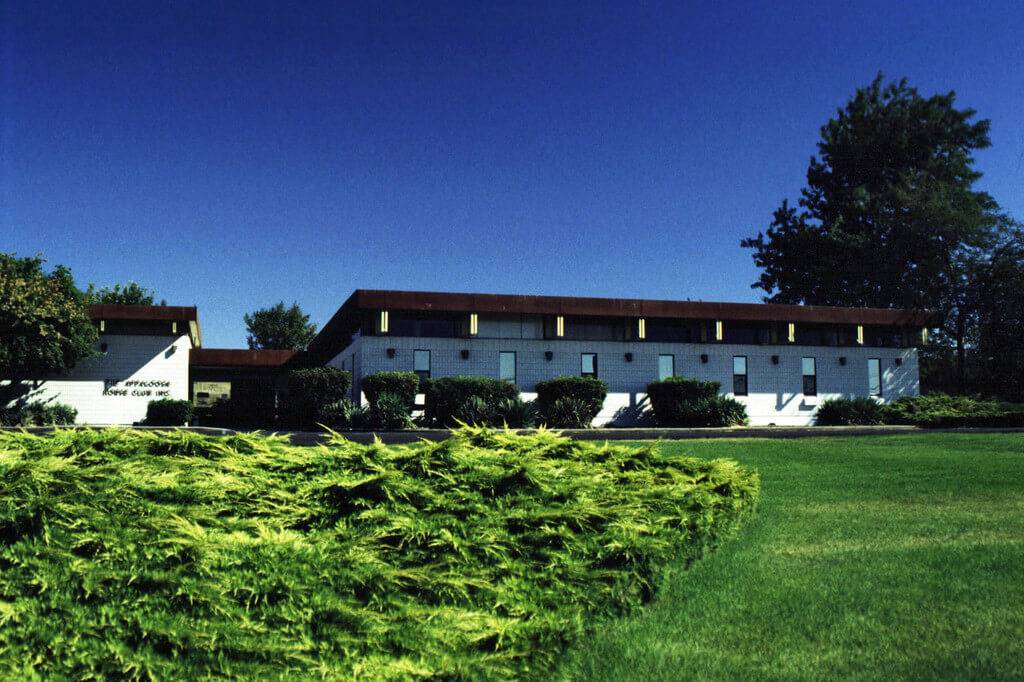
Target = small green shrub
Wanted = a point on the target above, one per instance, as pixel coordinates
(38, 413)
(311, 391)
(515, 413)
(168, 412)
(937, 410)
(389, 413)
(140, 555)
(589, 391)
(404, 385)
(681, 402)
(466, 399)
(850, 412)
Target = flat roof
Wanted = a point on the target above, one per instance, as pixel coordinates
(239, 357)
(150, 313)
(346, 319)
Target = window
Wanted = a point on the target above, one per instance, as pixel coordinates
(666, 366)
(421, 363)
(507, 365)
(588, 364)
(810, 377)
(874, 376)
(739, 375)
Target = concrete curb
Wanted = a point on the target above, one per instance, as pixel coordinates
(307, 438)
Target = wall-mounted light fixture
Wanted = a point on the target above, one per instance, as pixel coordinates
(103, 325)
(719, 330)
(474, 324)
(464, 354)
(641, 328)
(384, 322)
(775, 359)
(629, 357)
(548, 355)
(860, 335)
(560, 326)
(703, 358)
(924, 336)
(174, 327)
(791, 333)
(391, 352)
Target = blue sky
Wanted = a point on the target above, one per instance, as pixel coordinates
(231, 156)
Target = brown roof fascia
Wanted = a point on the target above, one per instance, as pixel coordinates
(239, 357)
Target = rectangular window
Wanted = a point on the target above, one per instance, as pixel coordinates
(421, 363)
(507, 366)
(666, 366)
(874, 376)
(588, 363)
(739, 375)
(810, 377)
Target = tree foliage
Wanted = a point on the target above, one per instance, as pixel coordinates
(278, 327)
(890, 216)
(44, 323)
(129, 294)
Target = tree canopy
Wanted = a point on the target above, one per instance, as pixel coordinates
(44, 323)
(890, 216)
(129, 294)
(278, 327)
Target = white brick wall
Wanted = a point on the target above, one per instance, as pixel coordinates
(774, 390)
(93, 387)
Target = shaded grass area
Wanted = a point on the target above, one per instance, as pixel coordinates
(871, 558)
(147, 555)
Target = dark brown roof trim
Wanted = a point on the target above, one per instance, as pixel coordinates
(345, 320)
(151, 313)
(171, 313)
(629, 307)
(236, 357)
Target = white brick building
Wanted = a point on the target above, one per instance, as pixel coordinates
(142, 354)
(781, 361)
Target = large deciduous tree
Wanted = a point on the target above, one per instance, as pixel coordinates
(890, 216)
(278, 327)
(129, 294)
(44, 323)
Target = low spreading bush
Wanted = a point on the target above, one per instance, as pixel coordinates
(312, 392)
(516, 413)
(38, 413)
(466, 399)
(850, 412)
(168, 412)
(404, 385)
(136, 555)
(587, 396)
(937, 410)
(680, 402)
(389, 412)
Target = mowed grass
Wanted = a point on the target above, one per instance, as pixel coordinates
(870, 558)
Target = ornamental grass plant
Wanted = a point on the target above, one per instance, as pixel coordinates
(173, 555)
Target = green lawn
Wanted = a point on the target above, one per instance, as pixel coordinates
(870, 558)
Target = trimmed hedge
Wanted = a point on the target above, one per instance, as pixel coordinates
(484, 557)
(681, 402)
(850, 412)
(937, 410)
(38, 413)
(311, 391)
(466, 399)
(168, 412)
(590, 393)
(404, 385)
